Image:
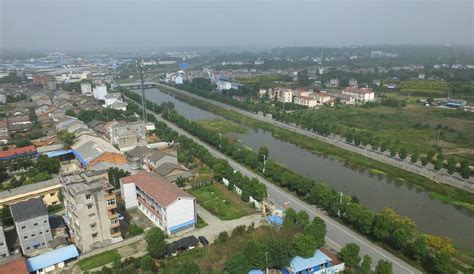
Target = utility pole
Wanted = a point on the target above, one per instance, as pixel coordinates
(142, 85)
(266, 262)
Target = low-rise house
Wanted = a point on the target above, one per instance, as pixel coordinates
(333, 83)
(19, 120)
(126, 135)
(353, 83)
(137, 155)
(71, 124)
(31, 224)
(3, 127)
(100, 92)
(306, 101)
(157, 158)
(18, 153)
(362, 95)
(319, 263)
(170, 208)
(92, 150)
(86, 89)
(91, 209)
(173, 171)
(321, 97)
(45, 141)
(53, 261)
(119, 106)
(112, 98)
(47, 190)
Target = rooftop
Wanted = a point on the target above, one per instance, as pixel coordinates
(17, 151)
(29, 188)
(28, 209)
(160, 189)
(51, 258)
(298, 263)
(13, 264)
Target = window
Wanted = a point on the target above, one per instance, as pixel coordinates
(94, 235)
(89, 206)
(93, 225)
(35, 224)
(88, 196)
(23, 227)
(42, 243)
(27, 248)
(92, 216)
(45, 221)
(47, 230)
(25, 237)
(52, 194)
(54, 203)
(41, 233)
(111, 202)
(32, 235)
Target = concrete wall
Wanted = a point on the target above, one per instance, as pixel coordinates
(181, 211)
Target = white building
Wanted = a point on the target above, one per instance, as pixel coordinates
(100, 92)
(86, 88)
(224, 85)
(353, 83)
(170, 208)
(112, 98)
(305, 101)
(360, 94)
(334, 83)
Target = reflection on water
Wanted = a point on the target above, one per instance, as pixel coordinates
(373, 189)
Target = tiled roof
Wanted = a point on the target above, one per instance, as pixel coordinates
(17, 151)
(28, 209)
(157, 187)
(13, 264)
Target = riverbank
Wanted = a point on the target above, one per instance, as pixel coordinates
(445, 193)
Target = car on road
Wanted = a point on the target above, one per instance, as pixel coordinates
(203, 240)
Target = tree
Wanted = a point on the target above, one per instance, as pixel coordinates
(115, 174)
(465, 169)
(418, 249)
(180, 182)
(302, 218)
(66, 138)
(384, 267)
(366, 264)
(255, 251)
(440, 263)
(305, 246)
(438, 164)
(430, 155)
(147, 264)
(402, 153)
(71, 113)
(280, 253)
(303, 78)
(222, 237)
(424, 161)
(317, 230)
(263, 152)
(156, 245)
(451, 165)
(290, 215)
(393, 151)
(350, 255)
(237, 264)
(188, 267)
(48, 165)
(134, 229)
(415, 156)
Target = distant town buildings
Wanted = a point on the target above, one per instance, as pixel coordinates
(86, 89)
(362, 95)
(100, 92)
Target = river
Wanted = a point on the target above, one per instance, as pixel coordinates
(374, 191)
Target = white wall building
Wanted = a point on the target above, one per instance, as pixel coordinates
(360, 94)
(86, 89)
(224, 85)
(112, 98)
(170, 208)
(100, 92)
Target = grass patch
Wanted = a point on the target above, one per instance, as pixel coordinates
(450, 200)
(376, 171)
(99, 260)
(200, 222)
(221, 126)
(221, 202)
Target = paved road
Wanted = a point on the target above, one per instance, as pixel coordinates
(428, 171)
(337, 235)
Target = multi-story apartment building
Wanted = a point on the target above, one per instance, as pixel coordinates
(31, 224)
(3, 243)
(90, 209)
(170, 208)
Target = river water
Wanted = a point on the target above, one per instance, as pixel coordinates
(374, 191)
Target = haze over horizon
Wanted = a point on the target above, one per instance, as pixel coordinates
(88, 25)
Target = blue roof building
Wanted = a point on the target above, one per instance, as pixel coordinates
(48, 261)
(319, 263)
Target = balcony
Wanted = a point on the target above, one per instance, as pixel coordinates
(112, 214)
(112, 203)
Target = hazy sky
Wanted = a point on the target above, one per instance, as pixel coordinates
(101, 24)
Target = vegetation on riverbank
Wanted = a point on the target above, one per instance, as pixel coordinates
(385, 226)
(457, 197)
(221, 126)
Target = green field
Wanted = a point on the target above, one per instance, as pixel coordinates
(221, 202)
(221, 126)
(99, 260)
(424, 87)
